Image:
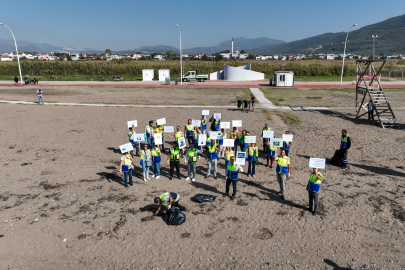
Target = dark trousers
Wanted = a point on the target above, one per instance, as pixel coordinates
(286, 152)
(371, 115)
(313, 198)
(176, 204)
(190, 140)
(173, 164)
(127, 175)
(251, 168)
(343, 157)
(234, 183)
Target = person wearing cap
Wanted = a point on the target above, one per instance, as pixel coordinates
(125, 167)
(168, 199)
(174, 160)
(39, 93)
(265, 140)
(232, 171)
(131, 137)
(189, 131)
(221, 153)
(253, 101)
(287, 145)
(156, 158)
(314, 184)
(191, 161)
(212, 158)
(283, 170)
(149, 134)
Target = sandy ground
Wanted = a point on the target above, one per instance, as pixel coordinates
(64, 206)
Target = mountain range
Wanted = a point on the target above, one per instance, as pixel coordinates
(390, 40)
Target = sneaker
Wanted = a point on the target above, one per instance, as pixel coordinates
(314, 213)
(232, 198)
(199, 157)
(144, 179)
(153, 175)
(344, 168)
(309, 209)
(131, 184)
(188, 178)
(282, 197)
(126, 185)
(225, 195)
(193, 180)
(148, 178)
(157, 177)
(215, 177)
(271, 167)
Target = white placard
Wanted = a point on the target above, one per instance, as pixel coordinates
(268, 134)
(287, 137)
(202, 139)
(139, 137)
(276, 142)
(225, 125)
(317, 163)
(215, 135)
(161, 121)
(168, 128)
(133, 123)
(126, 148)
(240, 158)
(196, 123)
(229, 142)
(250, 139)
(205, 112)
(236, 123)
(217, 115)
(158, 138)
(182, 142)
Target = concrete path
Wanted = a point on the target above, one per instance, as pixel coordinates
(265, 103)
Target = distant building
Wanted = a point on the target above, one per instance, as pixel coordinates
(5, 58)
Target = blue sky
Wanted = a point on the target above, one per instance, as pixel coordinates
(124, 24)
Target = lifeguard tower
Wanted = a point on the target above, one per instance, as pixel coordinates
(368, 88)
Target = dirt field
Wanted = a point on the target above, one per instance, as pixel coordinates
(64, 206)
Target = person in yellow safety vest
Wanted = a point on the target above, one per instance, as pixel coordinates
(314, 184)
(203, 127)
(191, 161)
(131, 137)
(197, 134)
(146, 162)
(271, 153)
(265, 140)
(235, 137)
(125, 167)
(283, 170)
(156, 158)
(253, 158)
(232, 171)
(159, 130)
(168, 199)
(221, 153)
(149, 134)
(228, 154)
(287, 145)
(177, 135)
(212, 158)
(174, 160)
(189, 131)
(215, 123)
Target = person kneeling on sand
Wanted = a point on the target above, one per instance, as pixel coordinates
(313, 187)
(168, 199)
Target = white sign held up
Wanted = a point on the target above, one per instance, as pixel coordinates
(133, 123)
(182, 142)
(126, 148)
(240, 158)
(168, 129)
(287, 137)
(236, 123)
(317, 163)
(250, 139)
(205, 112)
(202, 139)
(217, 115)
(139, 137)
(229, 142)
(196, 123)
(268, 134)
(215, 135)
(276, 142)
(158, 138)
(225, 125)
(161, 121)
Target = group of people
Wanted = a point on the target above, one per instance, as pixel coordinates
(214, 150)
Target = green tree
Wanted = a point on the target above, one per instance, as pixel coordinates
(218, 57)
(205, 57)
(169, 55)
(251, 56)
(108, 51)
(242, 51)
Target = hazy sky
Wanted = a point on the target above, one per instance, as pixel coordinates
(130, 24)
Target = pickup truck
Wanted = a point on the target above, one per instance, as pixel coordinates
(194, 76)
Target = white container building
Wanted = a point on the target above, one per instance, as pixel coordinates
(283, 78)
(147, 74)
(163, 73)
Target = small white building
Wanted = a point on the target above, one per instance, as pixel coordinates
(283, 79)
(5, 58)
(163, 74)
(147, 74)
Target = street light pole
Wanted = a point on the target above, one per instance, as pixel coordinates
(374, 37)
(16, 50)
(344, 53)
(181, 59)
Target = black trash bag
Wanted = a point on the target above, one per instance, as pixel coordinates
(247, 104)
(204, 198)
(239, 103)
(336, 158)
(174, 216)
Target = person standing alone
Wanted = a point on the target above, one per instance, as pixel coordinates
(313, 187)
(41, 100)
(283, 170)
(345, 144)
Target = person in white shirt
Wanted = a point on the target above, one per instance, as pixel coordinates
(39, 92)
